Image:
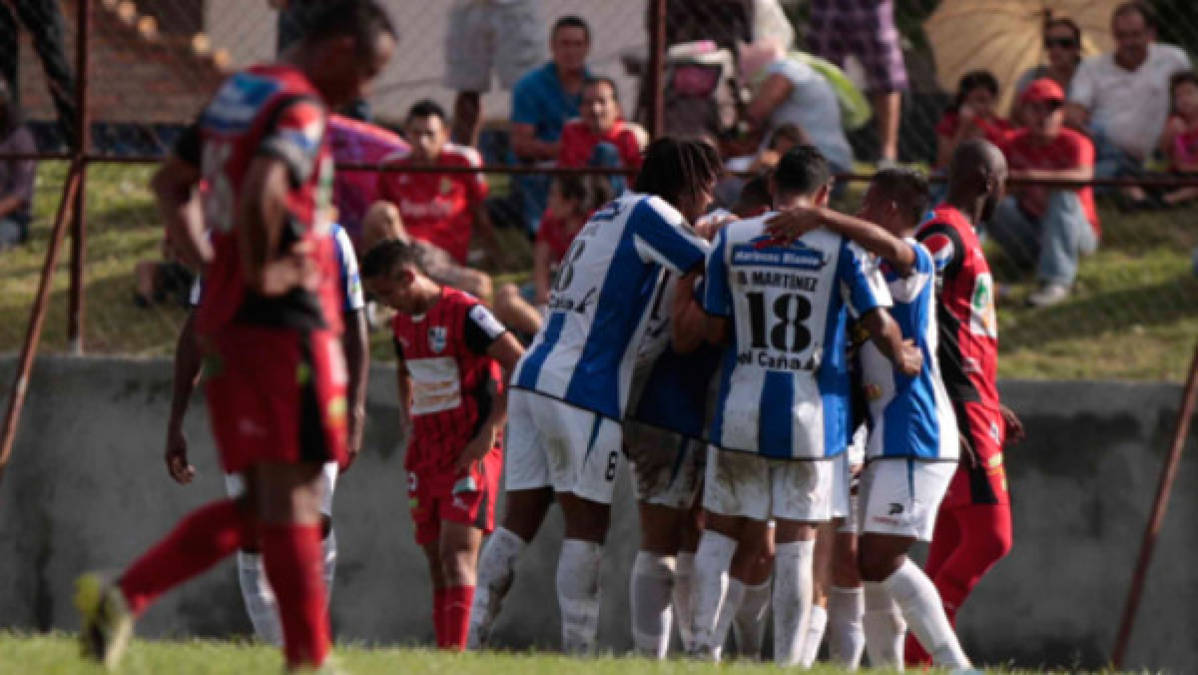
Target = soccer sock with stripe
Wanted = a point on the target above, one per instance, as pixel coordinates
(650, 589)
(884, 628)
(920, 603)
(495, 570)
(684, 617)
(203, 538)
(846, 639)
(292, 556)
(578, 594)
(456, 616)
(749, 623)
(710, 585)
(794, 577)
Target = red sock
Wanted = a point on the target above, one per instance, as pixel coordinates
(458, 600)
(293, 559)
(439, 616)
(199, 541)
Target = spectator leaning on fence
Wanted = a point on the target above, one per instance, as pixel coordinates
(972, 115)
(1122, 98)
(1049, 227)
(16, 175)
(1063, 44)
(600, 136)
(542, 101)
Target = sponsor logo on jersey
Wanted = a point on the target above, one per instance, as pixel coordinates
(446, 185)
(996, 435)
(896, 509)
(412, 482)
(336, 411)
(794, 256)
(983, 320)
(437, 337)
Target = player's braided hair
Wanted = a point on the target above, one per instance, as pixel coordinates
(365, 20)
(387, 257)
(676, 167)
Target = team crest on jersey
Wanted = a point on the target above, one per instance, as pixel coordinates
(446, 185)
(983, 319)
(437, 338)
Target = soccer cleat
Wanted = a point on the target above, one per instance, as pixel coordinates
(107, 622)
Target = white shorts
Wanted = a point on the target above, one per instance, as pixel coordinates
(235, 487)
(668, 467)
(901, 496)
(552, 443)
(751, 486)
(483, 34)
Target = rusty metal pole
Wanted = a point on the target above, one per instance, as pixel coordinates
(1168, 473)
(655, 78)
(37, 317)
(75, 307)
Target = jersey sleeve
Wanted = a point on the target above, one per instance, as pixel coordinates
(945, 245)
(662, 236)
(295, 137)
(906, 289)
(861, 282)
(714, 291)
(481, 329)
(351, 277)
(188, 145)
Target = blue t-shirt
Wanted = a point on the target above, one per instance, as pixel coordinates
(538, 99)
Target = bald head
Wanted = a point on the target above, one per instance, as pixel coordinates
(977, 155)
(977, 175)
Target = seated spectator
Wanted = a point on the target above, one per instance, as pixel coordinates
(971, 116)
(542, 101)
(443, 209)
(159, 281)
(731, 184)
(792, 92)
(1063, 45)
(1049, 227)
(1122, 99)
(572, 200)
(1180, 138)
(600, 137)
(354, 191)
(16, 175)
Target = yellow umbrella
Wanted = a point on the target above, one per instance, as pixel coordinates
(1006, 36)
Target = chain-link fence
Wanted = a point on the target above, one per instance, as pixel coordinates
(855, 82)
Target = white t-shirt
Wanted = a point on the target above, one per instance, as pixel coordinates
(1129, 106)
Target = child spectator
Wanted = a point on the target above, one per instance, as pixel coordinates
(572, 199)
(1180, 138)
(972, 115)
(17, 175)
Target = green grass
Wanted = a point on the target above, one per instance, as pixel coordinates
(1134, 314)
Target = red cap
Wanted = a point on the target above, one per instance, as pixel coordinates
(1043, 90)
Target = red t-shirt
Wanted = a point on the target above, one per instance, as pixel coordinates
(1069, 150)
(436, 206)
(578, 142)
(553, 233)
(995, 129)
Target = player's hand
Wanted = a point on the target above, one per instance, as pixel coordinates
(176, 457)
(476, 449)
(793, 223)
(909, 359)
(709, 226)
(1014, 426)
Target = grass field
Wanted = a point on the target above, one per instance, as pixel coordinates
(1134, 315)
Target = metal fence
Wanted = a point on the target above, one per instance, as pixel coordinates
(148, 67)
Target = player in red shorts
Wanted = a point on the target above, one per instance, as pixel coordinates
(973, 527)
(452, 357)
(269, 323)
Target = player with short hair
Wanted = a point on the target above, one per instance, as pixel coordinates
(452, 357)
(913, 448)
(571, 389)
(780, 307)
(269, 322)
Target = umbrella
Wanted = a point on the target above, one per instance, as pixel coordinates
(1006, 36)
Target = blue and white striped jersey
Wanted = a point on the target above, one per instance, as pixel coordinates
(910, 416)
(347, 265)
(784, 383)
(602, 300)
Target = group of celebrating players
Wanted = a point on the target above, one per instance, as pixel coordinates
(750, 367)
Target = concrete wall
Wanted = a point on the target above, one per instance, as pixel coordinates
(87, 489)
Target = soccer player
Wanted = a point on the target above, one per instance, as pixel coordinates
(782, 412)
(269, 323)
(259, 597)
(452, 356)
(571, 389)
(973, 528)
(913, 446)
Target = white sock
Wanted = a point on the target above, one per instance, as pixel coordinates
(684, 574)
(728, 610)
(846, 638)
(793, 580)
(578, 594)
(921, 606)
(330, 565)
(749, 623)
(651, 587)
(259, 598)
(495, 567)
(710, 584)
(884, 628)
(815, 635)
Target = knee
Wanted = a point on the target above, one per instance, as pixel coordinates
(993, 544)
(457, 562)
(381, 222)
(481, 286)
(605, 155)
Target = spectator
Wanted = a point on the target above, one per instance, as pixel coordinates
(354, 191)
(600, 136)
(1050, 227)
(16, 175)
(572, 199)
(1063, 44)
(1180, 138)
(43, 19)
(542, 101)
(503, 35)
(865, 29)
(794, 93)
(731, 185)
(1122, 98)
(440, 208)
(971, 116)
